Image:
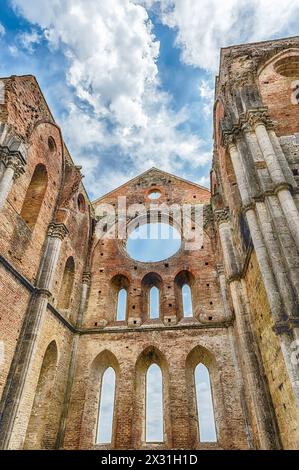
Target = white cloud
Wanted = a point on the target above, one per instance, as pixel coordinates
(2, 30)
(111, 66)
(13, 50)
(204, 181)
(204, 26)
(112, 59)
(28, 40)
(82, 129)
(206, 92)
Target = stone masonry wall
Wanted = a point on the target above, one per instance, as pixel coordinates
(174, 345)
(275, 368)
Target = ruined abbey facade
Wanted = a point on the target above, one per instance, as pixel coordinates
(60, 282)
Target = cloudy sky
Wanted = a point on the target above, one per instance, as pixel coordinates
(130, 82)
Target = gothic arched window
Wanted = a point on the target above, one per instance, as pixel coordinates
(106, 407)
(64, 297)
(204, 400)
(154, 419)
(121, 310)
(154, 308)
(187, 301)
(35, 195)
(41, 433)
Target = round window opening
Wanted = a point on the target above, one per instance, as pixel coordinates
(288, 66)
(154, 194)
(152, 242)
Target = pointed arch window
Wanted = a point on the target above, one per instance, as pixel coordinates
(39, 434)
(66, 289)
(154, 419)
(152, 292)
(187, 301)
(106, 407)
(154, 301)
(121, 310)
(35, 195)
(204, 400)
(120, 285)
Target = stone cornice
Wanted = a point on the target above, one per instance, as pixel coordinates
(86, 277)
(247, 207)
(13, 160)
(98, 330)
(246, 123)
(256, 116)
(282, 327)
(13, 151)
(11, 143)
(44, 292)
(220, 269)
(282, 185)
(57, 230)
(234, 277)
(228, 138)
(221, 216)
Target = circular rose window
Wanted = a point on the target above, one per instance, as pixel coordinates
(288, 66)
(154, 194)
(152, 242)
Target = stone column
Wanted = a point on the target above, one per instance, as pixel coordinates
(276, 233)
(56, 233)
(67, 396)
(251, 373)
(256, 235)
(257, 120)
(222, 283)
(281, 275)
(240, 382)
(238, 169)
(22, 358)
(282, 159)
(66, 404)
(12, 167)
(86, 276)
(287, 333)
(290, 211)
(277, 293)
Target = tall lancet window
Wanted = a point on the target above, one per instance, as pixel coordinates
(66, 289)
(205, 410)
(154, 308)
(35, 195)
(106, 407)
(187, 301)
(121, 305)
(154, 420)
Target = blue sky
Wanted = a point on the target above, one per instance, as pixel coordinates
(131, 82)
(153, 242)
